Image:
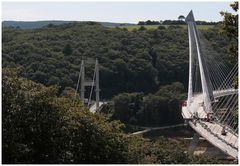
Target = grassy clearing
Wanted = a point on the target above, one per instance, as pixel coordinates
(132, 27)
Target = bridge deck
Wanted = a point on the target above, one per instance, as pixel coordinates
(94, 107)
(228, 143)
(211, 130)
(220, 93)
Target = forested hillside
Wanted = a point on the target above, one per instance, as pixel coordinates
(145, 72)
(130, 61)
(40, 127)
(143, 78)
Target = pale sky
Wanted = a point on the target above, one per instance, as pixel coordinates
(122, 12)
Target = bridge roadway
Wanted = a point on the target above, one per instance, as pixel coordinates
(211, 131)
(93, 108)
(226, 92)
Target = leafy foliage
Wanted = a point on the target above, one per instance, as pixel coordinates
(161, 151)
(230, 28)
(181, 17)
(39, 127)
(67, 50)
(130, 61)
(154, 109)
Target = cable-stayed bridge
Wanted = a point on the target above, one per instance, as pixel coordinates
(211, 108)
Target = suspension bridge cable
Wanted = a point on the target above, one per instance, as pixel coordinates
(79, 77)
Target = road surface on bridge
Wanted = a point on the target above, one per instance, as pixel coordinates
(93, 108)
(147, 129)
(211, 130)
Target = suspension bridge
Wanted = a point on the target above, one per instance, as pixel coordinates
(97, 104)
(211, 108)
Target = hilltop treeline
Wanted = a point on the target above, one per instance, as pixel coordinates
(138, 61)
(174, 22)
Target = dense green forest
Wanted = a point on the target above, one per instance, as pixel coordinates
(41, 127)
(138, 61)
(144, 73)
(161, 108)
(134, 65)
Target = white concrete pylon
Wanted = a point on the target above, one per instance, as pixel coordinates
(195, 52)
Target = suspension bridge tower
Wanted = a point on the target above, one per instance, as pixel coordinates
(89, 83)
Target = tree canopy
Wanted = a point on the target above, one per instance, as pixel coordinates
(144, 71)
(230, 28)
(181, 17)
(41, 127)
(161, 108)
(137, 61)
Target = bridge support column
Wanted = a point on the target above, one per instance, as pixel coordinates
(82, 81)
(194, 143)
(97, 85)
(90, 83)
(190, 85)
